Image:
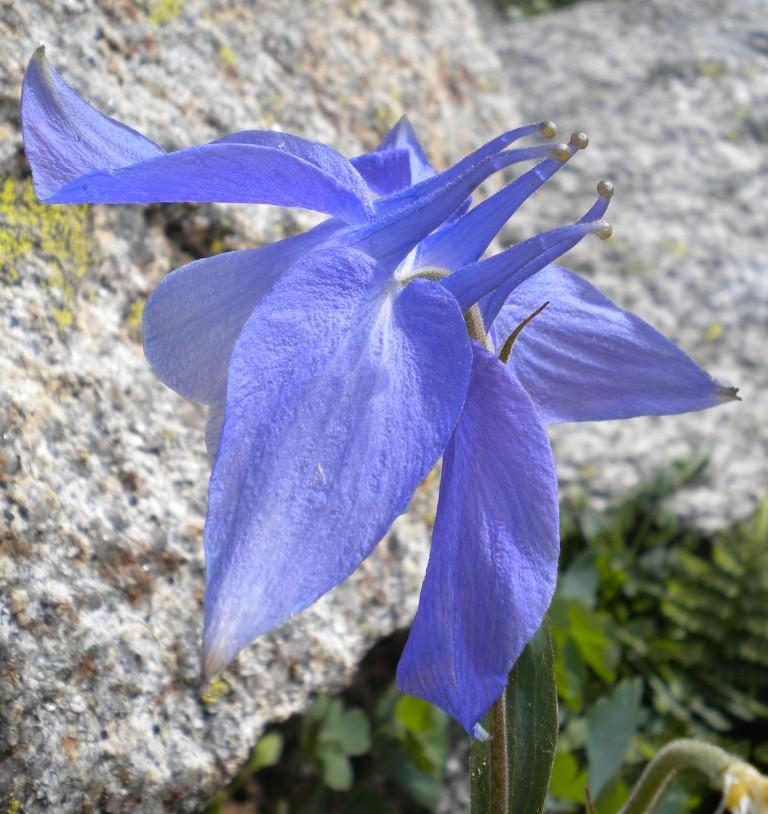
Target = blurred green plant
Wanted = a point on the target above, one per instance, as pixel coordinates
(678, 618)
(529, 8)
(659, 632)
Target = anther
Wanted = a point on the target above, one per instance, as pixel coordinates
(605, 190)
(579, 140)
(561, 152)
(548, 129)
(604, 230)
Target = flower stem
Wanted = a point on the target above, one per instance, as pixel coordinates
(497, 721)
(710, 760)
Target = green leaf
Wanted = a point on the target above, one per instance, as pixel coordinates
(421, 785)
(347, 731)
(531, 701)
(531, 713)
(568, 782)
(355, 732)
(611, 723)
(266, 752)
(480, 776)
(581, 580)
(414, 714)
(589, 631)
(336, 770)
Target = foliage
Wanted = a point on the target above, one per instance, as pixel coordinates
(658, 632)
(681, 615)
(528, 8)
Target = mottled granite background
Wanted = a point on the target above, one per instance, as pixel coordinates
(103, 470)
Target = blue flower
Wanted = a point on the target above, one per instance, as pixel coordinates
(337, 368)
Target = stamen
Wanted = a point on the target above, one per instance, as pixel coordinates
(604, 230)
(507, 348)
(579, 140)
(605, 190)
(548, 129)
(562, 152)
(464, 240)
(590, 222)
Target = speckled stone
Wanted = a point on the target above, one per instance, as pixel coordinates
(102, 469)
(674, 95)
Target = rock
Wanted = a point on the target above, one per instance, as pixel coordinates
(102, 469)
(674, 95)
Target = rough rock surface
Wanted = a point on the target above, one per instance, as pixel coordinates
(102, 469)
(674, 94)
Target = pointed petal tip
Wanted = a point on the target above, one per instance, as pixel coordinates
(215, 659)
(479, 734)
(726, 394)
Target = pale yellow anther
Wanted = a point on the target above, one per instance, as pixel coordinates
(604, 230)
(579, 140)
(561, 152)
(605, 189)
(548, 129)
(746, 789)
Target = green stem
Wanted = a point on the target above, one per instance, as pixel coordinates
(710, 760)
(497, 721)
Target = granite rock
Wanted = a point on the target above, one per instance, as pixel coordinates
(673, 94)
(102, 469)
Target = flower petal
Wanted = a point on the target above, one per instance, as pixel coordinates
(342, 393)
(465, 239)
(193, 317)
(493, 564)
(407, 217)
(384, 171)
(78, 155)
(325, 158)
(65, 137)
(403, 136)
(585, 359)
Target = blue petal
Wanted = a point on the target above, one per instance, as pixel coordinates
(464, 240)
(407, 217)
(512, 267)
(342, 394)
(585, 359)
(193, 317)
(326, 159)
(78, 155)
(385, 172)
(403, 137)
(64, 137)
(493, 564)
(491, 304)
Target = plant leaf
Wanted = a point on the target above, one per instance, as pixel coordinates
(611, 723)
(531, 710)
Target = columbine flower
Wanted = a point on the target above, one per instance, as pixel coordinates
(745, 790)
(337, 369)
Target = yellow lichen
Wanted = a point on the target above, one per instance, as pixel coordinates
(57, 234)
(676, 247)
(215, 691)
(163, 11)
(714, 332)
(14, 807)
(135, 312)
(227, 56)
